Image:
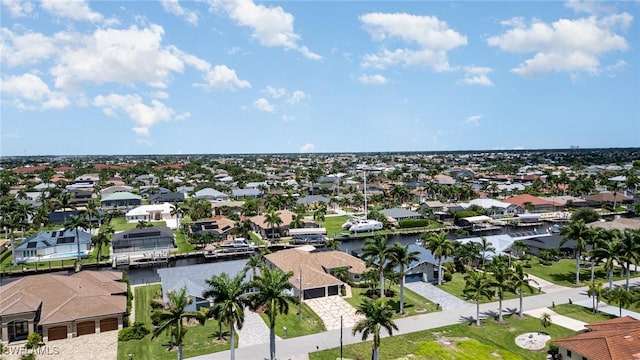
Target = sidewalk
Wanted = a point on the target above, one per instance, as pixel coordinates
(558, 319)
(544, 285)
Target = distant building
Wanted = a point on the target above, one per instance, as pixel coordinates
(210, 195)
(157, 212)
(120, 200)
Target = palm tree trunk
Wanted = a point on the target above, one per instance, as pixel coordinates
(374, 353)
(593, 307)
(381, 281)
(180, 351)
(440, 271)
(520, 312)
(577, 267)
(593, 270)
(611, 278)
(628, 275)
(500, 318)
(402, 292)
(477, 312)
(272, 341)
(78, 244)
(233, 340)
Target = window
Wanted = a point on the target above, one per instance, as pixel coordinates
(569, 354)
(356, 276)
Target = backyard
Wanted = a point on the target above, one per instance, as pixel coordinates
(310, 323)
(456, 287)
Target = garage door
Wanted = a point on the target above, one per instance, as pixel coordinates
(412, 278)
(86, 327)
(313, 293)
(333, 290)
(57, 333)
(108, 324)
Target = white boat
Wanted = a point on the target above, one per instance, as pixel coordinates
(366, 225)
(237, 243)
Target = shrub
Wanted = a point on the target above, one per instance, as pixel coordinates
(447, 276)
(156, 317)
(135, 332)
(412, 223)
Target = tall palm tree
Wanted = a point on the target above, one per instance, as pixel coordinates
(76, 222)
(401, 256)
(580, 233)
(594, 292)
(501, 275)
(320, 212)
(174, 315)
(229, 301)
(630, 251)
(619, 296)
(177, 211)
(485, 247)
(440, 247)
(608, 250)
(273, 219)
(25, 213)
(12, 221)
(93, 211)
(476, 287)
(256, 261)
(519, 281)
(98, 241)
(375, 252)
(273, 289)
(378, 314)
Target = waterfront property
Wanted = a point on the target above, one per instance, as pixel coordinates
(157, 212)
(424, 269)
(146, 239)
(62, 306)
(120, 200)
(316, 269)
(53, 245)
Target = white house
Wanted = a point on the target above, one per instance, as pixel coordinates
(157, 212)
(495, 207)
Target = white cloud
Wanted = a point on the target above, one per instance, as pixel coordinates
(159, 95)
(173, 7)
(473, 120)
(589, 6)
(72, 9)
(275, 92)
(375, 79)
(476, 75)
(222, 78)
(297, 97)
(271, 26)
(263, 104)
(18, 8)
(24, 49)
(572, 46)
(431, 37)
(288, 118)
(144, 116)
(306, 148)
(31, 88)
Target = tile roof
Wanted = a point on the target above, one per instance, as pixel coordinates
(615, 339)
(520, 200)
(314, 265)
(65, 297)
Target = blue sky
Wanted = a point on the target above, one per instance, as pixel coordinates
(210, 76)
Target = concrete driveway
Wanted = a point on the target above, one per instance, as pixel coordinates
(330, 308)
(103, 346)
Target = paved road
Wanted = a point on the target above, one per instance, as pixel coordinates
(297, 348)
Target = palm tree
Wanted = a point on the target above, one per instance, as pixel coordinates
(545, 320)
(229, 302)
(521, 247)
(376, 252)
(440, 247)
(401, 256)
(12, 221)
(476, 287)
(519, 281)
(98, 241)
(619, 296)
(594, 292)
(273, 219)
(630, 251)
(76, 222)
(297, 221)
(320, 213)
(273, 289)
(332, 244)
(501, 274)
(142, 224)
(177, 211)
(93, 212)
(608, 249)
(378, 314)
(25, 212)
(174, 315)
(256, 261)
(577, 231)
(486, 247)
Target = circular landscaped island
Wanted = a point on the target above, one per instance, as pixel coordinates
(533, 340)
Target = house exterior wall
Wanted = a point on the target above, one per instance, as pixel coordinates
(7, 321)
(33, 255)
(426, 269)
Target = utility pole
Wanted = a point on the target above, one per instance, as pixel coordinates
(340, 337)
(301, 296)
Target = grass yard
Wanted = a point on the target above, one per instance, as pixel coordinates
(463, 341)
(199, 340)
(310, 323)
(181, 241)
(333, 224)
(563, 273)
(581, 313)
(456, 287)
(121, 224)
(414, 304)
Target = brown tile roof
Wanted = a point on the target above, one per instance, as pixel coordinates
(285, 215)
(29, 169)
(521, 199)
(615, 339)
(607, 196)
(65, 297)
(314, 265)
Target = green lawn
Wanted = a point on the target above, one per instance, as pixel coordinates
(198, 341)
(563, 272)
(310, 323)
(466, 341)
(183, 245)
(121, 224)
(333, 225)
(581, 313)
(414, 304)
(456, 287)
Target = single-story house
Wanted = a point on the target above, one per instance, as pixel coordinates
(53, 245)
(172, 197)
(425, 268)
(261, 226)
(193, 279)
(145, 239)
(614, 339)
(120, 200)
(211, 195)
(147, 179)
(114, 189)
(399, 214)
(220, 225)
(313, 199)
(62, 306)
(531, 203)
(564, 201)
(608, 197)
(251, 193)
(315, 269)
(185, 189)
(156, 212)
(495, 207)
